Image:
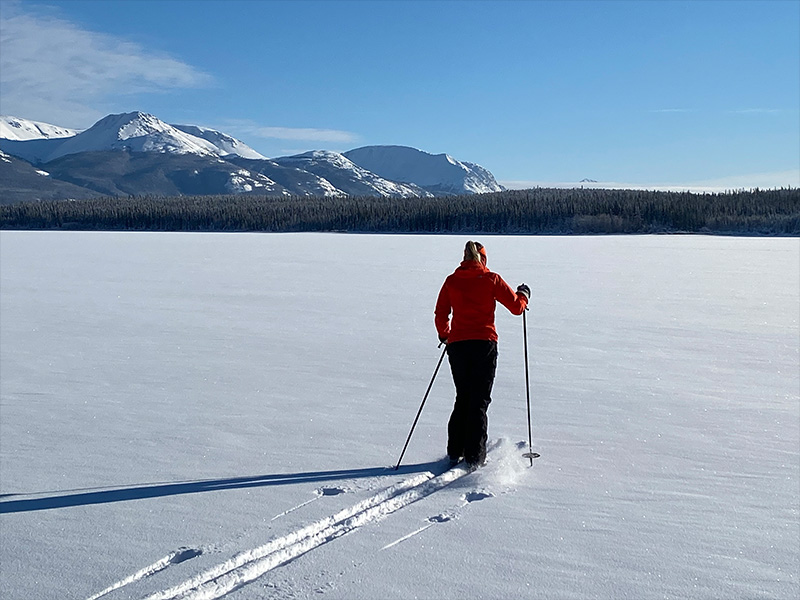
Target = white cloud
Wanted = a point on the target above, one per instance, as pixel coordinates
(303, 133)
(52, 70)
(306, 134)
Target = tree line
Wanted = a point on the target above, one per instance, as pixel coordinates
(533, 211)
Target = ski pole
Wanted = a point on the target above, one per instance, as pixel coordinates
(419, 412)
(530, 453)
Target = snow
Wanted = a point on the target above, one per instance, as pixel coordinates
(238, 184)
(223, 411)
(401, 163)
(14, 128)
(243, 181)
(223, 142)
(331, 162)
(389, 171)
(135, 132)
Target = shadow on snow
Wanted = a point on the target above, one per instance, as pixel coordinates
(87, 496)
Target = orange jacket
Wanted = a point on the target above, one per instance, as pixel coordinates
(471, 293)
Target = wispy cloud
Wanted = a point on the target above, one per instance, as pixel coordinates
(53, 70)
(305, 134)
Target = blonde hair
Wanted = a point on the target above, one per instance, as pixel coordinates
(472, 251)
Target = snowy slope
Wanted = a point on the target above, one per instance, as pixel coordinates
(197, 410)
(222, 141)
(348, 177)
(296, 180)
(389, 171)
(123, 173)
(134, 132)
(439, 173)
(14, 128)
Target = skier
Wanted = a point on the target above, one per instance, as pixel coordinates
(470, 294)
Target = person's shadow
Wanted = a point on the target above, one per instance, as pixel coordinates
(87, 496)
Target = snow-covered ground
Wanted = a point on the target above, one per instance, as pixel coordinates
(184, 410)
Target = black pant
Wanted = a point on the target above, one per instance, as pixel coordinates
(473, 364)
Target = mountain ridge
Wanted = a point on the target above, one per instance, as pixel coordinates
(137, 153)
(431, 171)
(13, 128)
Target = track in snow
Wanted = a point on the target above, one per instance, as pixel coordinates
(444, 517)
(173, 558)
(320, 493)
(247, 566)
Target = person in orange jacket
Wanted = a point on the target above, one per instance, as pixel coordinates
(470, 294)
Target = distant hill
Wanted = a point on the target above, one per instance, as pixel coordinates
(137, 153)
(20, 182)
(437, 173)
(345, 174)
(12, 128)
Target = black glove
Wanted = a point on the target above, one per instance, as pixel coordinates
(443, 340)
(524, 289)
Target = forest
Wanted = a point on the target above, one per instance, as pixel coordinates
(532, 211)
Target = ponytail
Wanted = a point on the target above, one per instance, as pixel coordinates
(474, 251)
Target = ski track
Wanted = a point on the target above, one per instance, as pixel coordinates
(173, 558)
(407, 536)
(468, 498)
(294, 508)
(254, 568)
(321, 492)
(248, 565)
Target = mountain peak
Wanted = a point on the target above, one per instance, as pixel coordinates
(199, 160)
(341, 172)
(138, 132)
(131, 125)
(14, 128)
(438, 173)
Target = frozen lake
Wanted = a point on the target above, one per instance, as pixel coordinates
(200, 396)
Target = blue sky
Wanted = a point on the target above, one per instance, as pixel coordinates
(638, 92)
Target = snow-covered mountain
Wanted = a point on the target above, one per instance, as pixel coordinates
(437, 173)
(13, 128)
(339, 170)
(132, 132)
(222, 141)
(137, 153)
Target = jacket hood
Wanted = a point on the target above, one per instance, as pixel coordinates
(470, 268)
